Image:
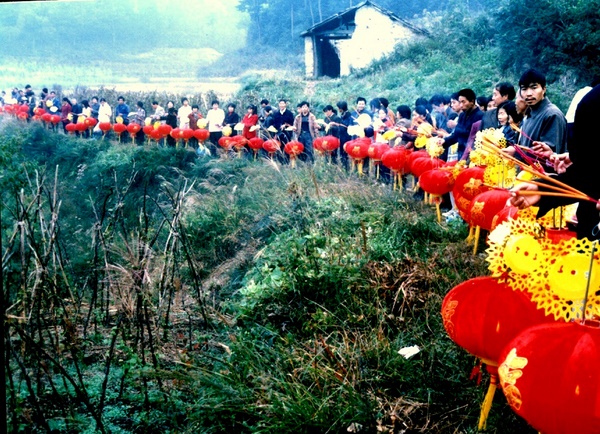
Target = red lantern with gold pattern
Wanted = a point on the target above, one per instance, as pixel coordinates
(482, 315)
(119, 129)
(550, 376)
(468, 184)
(358, 150)
(329, 143)
(485, 206)
(165, 129)
(293, 149)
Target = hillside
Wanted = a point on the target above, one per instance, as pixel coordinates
(177, 294)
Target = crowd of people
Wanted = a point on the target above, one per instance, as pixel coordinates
(535, 129)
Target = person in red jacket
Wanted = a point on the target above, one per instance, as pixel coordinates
(249, 120)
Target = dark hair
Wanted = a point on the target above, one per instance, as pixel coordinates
(95, 97)
(195, 106)
(342, 105)
(155, 102)
(45, 90)
(268, 108)
(214, 101)
(85, 103)
(140, 104)
(264, 101)
(282, 99)
(469, 94)
(511, 109)
(421, 110)
(482, 101)
(532, 76)
(306, 103)
(454, 96)
(121, 97)
(327, 108)
(360, 98)
(375, 103)
(184, 99)
(421, 101)
(102, 99)
(253, 108)
(231, 105)
(384, 102)
(437, 99)
(506, 89)
(404, 111)
(65, 99)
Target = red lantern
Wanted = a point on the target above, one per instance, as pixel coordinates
(148, 129)
(165, 129)
(413, 155)
(505, 214)
(358, 150)
(376, 151)
(293, 149)
(46, 117)
(119, 129)
(437, 181)
(271, 146)
(91, 122)
(156, 134)
(394, 159)
(70, 128)
(201, 134)
(329, 143)
(187, 134)
(239, 142)
(55, 119)
(81, 127)
(133, 129)
(482, 315)
(225, 142)
(468, 184)
(485, 206)
(255, 143)
(104, 127)
(422, 165)
(550, 376)
(22, 115)
(318, 145)
(38, 111)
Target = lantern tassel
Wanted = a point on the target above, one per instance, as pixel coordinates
(486, 406)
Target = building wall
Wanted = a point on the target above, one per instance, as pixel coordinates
(375, 36)
(309, 56)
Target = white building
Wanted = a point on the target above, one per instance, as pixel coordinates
(354, 38)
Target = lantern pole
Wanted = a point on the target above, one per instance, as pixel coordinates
(589, 278)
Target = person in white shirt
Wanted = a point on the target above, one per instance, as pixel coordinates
(183, 113)
(104, 111)
(215, 118)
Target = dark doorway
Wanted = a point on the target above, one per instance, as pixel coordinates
(329, 60)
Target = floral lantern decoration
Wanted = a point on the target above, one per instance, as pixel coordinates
(293, 148)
